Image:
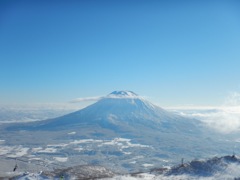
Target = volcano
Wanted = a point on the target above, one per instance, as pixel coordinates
(120, 111)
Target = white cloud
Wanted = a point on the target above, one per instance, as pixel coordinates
(222, 119)
(96, 98)
(225, 119)
(111, 96)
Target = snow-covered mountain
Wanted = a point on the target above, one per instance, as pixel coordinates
(120, 111)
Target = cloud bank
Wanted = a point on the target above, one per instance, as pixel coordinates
(225, 118)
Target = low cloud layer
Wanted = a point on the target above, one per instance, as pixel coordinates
(223, 119)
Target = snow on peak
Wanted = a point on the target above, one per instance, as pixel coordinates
(123, 94)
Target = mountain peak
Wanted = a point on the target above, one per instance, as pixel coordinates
(122, 94)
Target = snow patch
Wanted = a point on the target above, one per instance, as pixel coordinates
(71, 133)
(122, 95)
(144, 176)
(147, 165)
(57, 145)
(36, 159)
(18, 152)
(61, 159)
(127, 153)
(36, 149)
(78, 149)
(5, 150)
(123, 143)
(48, 150)
(85, 141)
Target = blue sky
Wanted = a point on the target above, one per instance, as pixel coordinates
(174, 53)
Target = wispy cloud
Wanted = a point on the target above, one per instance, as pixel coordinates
(111, 96)
(95, 98)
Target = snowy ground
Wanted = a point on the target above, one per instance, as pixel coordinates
(74, 151)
